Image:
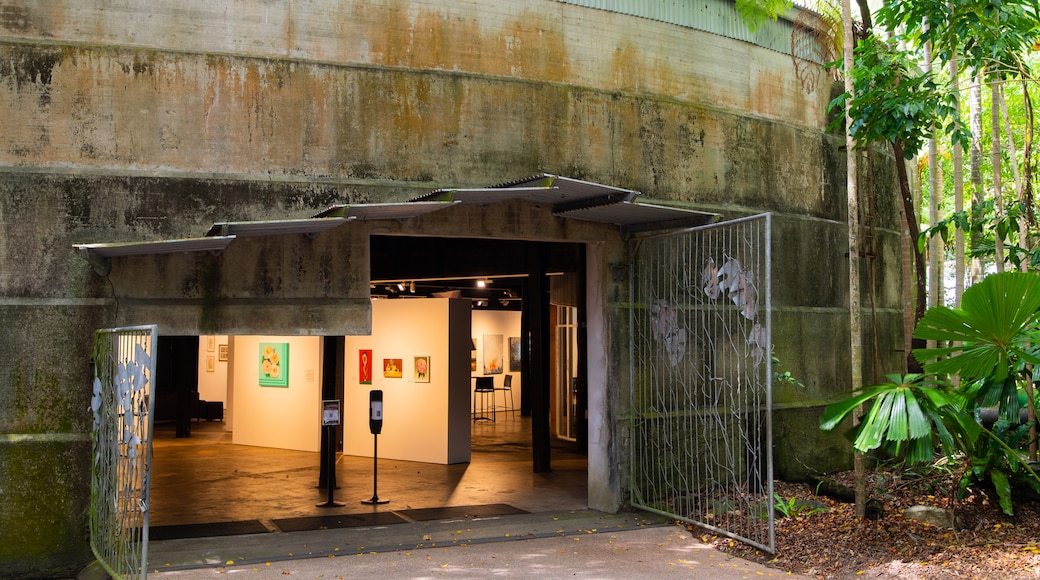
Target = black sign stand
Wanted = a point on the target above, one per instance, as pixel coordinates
(329, 420)
(375, 424)
(375, 474)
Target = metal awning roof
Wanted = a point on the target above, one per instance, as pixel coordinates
(583, 200)
(310, 227)
(100, 255)
(383, 211)
(639, 217)
(569, 198)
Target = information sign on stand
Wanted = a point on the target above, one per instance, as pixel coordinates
(330, 418)
(330, 413)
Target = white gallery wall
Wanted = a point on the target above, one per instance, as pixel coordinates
(285, 417)
(497, 323)
(213, 372)
(422, 421)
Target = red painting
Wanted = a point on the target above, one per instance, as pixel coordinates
(365, 367)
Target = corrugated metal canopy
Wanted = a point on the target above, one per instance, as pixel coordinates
(100, 255)
(569, 198)
(309, 227)
(542, 188)
(383, 211)
(640, 217)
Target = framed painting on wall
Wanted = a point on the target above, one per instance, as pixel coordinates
(274, 364)
(422, 369)
(514, 354)
(365, 367)
(492, 354)
(222, 352)
(392, 368)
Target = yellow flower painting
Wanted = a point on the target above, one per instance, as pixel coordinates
(274, 364)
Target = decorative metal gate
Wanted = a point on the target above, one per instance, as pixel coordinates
(124, 367)
(701, 429)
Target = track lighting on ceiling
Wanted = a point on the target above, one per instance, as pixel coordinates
(400, 286)
(481, 283)
(411, 287)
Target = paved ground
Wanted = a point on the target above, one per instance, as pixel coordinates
(585, 544)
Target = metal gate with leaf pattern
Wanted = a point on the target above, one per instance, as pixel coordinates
(701, 425)
(124, 367)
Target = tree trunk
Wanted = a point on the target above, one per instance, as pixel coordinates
(958, 194)
(998, 194)
(975, 158)
(913, 233)
(936, 251)
(855, 327)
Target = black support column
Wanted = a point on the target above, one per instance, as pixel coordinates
(535, 357)
(333, 377)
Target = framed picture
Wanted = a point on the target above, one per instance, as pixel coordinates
(274, 364)
(222, 352)
(514, 354)
(365, 367)
(210, 342)
(210, 365)
(393, 368)
(422, 369)
(492, 354)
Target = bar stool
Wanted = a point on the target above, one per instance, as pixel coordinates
(507, 387)
(485, 387)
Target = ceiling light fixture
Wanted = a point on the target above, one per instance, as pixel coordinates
(481, 283)
(400, 286)
(411, 287)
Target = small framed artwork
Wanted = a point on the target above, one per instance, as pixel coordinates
(365, 367)
(392, 368)
(210, 342)
(210, 365)
(514, 354)
(422, 369)
(222, 352)
(274, 364)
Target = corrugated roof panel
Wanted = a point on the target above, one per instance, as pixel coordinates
(275, 227)
(384, 211)
(100, 255)
(641, 217)
(571, 188)
(715, 16)
(122, 249)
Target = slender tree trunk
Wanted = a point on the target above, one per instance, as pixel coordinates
(1023, 226)
(998, 195)
(936, 251)
(855, 326)
(958, 193)
(913, 233)
(975, 159)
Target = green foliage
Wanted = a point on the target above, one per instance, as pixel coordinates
(904, 415)
(784, 378)
(894, 101)
(793, 508)
(996, 343)
(754, 13)
(983, 34)
(996, 327)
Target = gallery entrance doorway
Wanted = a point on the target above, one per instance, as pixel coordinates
(199, 478)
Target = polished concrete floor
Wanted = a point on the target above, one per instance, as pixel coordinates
(205, 478)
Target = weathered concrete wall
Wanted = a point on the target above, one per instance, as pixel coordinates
(134, 120)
